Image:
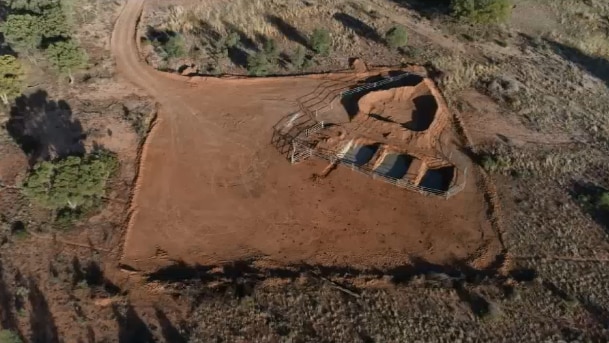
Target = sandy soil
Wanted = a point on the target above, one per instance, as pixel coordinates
(212, 188)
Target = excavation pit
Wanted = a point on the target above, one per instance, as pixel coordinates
(438, 179)
(413, 108)
(395, 165)
(350, 99)
(360, 154)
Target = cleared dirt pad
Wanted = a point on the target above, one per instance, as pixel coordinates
(212, 189)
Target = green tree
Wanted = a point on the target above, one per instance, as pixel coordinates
(66, 56)
(7, 336)
(603, 201)
(73, 183)
(299, 57)
(396, 37)
(321, 42)
(258, 64)
(231, 40)
(271, 50)
(11, 78)
(481, 11)
(54, 23)
(46, 19)
(22, 31)
(174, 46)
(34, 6)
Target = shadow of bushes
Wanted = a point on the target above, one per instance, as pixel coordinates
(44, 128)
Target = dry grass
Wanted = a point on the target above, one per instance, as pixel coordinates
(461, 72)
(583, 25)
(247, 16)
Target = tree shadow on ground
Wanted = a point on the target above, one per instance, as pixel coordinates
(238, 54)
(240, 278)
(246, 41)
(477, 304)
(289, 31)
(77, 273)
(168, 330)
(45, 129)
(131, 328)
(359, 27)
(429, 9)
(5, 48)
(246, 270)
(588, 196)
(42, 323)
(7, 318)
(160, 36)
(93, 276)
(599, 314)
(596, 66)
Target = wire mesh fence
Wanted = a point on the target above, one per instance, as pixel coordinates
(295, 132)
(302, 150)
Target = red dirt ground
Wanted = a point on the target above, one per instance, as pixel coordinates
(212, 189)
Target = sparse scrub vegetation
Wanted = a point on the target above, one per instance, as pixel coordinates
(170, 45)
(74, 183)
(396, 37)
(299, 58)
(11, 78)
(271, 51)
(481, 11)
(7, 336)
(258, 64)
(321, 41)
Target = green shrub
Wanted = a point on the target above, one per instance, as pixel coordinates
(603, 202)
(11, 77)
(271, 50)
(73, 183)
(66, 56)
(54, 23)
(231, 40)
(321, 42)
(7, 336)
(174, 46)
(22, 31)
(481, 11)
(258, 64)
(299, 58)
(27, 31)
(396, 37)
